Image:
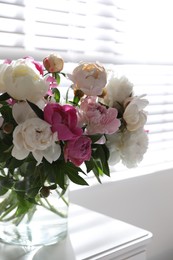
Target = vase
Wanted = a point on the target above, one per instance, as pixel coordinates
(45, 223)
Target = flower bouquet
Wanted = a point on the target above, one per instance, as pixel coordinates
(47, 139)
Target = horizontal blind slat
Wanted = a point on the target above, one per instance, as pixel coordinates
(12, 11)
(11, 25)
(12, 39)
(64, 31)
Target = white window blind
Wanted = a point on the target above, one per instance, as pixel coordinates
(78, 30)
(132, 37)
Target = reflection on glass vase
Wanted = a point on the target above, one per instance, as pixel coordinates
(44, 223)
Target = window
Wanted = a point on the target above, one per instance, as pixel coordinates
(133, 37)
(77, 29)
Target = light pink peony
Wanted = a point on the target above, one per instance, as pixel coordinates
(91, 78)
(78, 150)
(63, 120)
(97, 118)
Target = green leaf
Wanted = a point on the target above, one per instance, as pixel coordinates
(6, 182)
(32, 192)
(12, 163)
(89, 165)
(4, 152)
(97, 174)
(20, 186)
(59, 170)
(55, 172)
(72, 168)
(63, 74)
(52, 187)
(76, 100)
(6, 112)
(76, 178)
(73, 173)
(3, 190)
(56, 93)
(95, 138)
(28, 188)
(4, 97)
(37, 110)
(23, 205)
(58, 78)
(100, 154)
(67, 94)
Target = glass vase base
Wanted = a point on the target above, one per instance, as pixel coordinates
(32, 236)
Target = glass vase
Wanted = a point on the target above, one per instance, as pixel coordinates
(44, 223)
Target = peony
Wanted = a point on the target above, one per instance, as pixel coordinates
(35, 135)
(117, 90)
(37, 64)
(134, 115)
(22, 111)
(114, 145)
(63, 120)
(3, 67)
(23, 81)
(78, 150)
(91, 78)
(135, 144)
(53, 63)
(97, 118)
(129, 147)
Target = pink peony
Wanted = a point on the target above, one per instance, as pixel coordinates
(97, 118)
(63, 120)
(78, 150)
(91, 78)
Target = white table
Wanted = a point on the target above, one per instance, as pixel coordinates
(91, 236)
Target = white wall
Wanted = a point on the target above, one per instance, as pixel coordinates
(145, 201)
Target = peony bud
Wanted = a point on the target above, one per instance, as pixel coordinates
(8, 128)
(44, 192)
(53, 63)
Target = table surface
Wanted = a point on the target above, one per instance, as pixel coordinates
(90, 235)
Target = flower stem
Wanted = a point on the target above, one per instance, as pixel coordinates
(6, 212)
(51, 208)
(62, 197)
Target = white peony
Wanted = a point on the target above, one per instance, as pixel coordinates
(35, 135)
(22, 111)
(23, 81)
(129, 147)
(114, 145)
(134, 146)
(3, 67)
(134, 115)
(117, 90)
